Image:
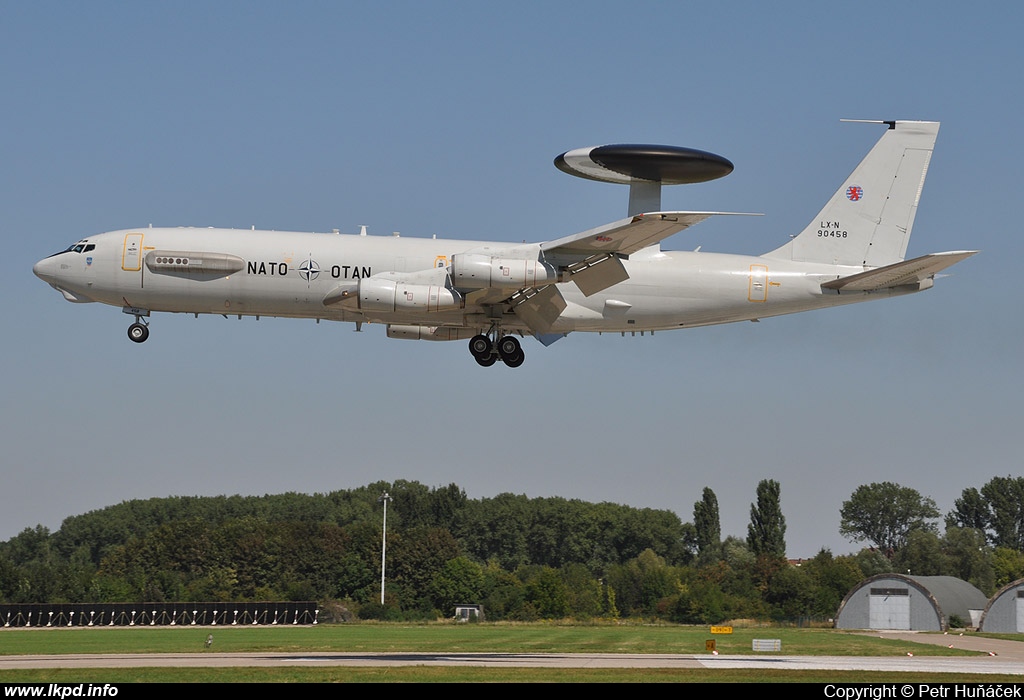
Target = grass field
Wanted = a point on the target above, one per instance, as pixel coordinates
(497, 638)
(426, 638)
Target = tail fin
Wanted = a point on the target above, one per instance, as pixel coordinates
(868, 220)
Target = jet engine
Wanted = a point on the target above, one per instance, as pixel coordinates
(430, 332)
(476, 271)
(388, 294)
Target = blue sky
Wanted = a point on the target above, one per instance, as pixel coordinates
(443, 118)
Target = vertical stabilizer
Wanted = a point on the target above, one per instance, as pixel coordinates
(868, 220)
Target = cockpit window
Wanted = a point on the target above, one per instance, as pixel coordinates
(81, 247)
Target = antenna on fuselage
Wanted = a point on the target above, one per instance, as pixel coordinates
(645, 168)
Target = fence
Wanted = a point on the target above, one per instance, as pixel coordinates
(153, 614)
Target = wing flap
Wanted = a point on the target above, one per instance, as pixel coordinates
(899, 274)
(539, 309)
(597, 273)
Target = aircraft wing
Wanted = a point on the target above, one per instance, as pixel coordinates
(630, 235)
(899, 274)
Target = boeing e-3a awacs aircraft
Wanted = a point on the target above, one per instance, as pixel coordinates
(614, 278)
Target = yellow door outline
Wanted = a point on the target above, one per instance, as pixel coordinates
(131, 256)
(757, 286)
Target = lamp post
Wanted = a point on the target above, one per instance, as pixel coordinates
(384, 498)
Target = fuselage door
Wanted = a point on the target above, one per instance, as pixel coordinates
(757, 287)
(131, 258)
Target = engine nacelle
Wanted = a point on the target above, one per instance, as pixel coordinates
(388, 295)
(476, 271)
(430, 332)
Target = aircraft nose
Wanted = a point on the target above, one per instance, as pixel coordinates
(45, 270)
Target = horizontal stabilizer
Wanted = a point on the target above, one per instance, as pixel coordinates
(899, 274)
(627, 236)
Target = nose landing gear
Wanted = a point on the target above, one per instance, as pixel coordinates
(138, 332)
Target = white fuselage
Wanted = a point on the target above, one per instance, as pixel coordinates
(610, 279)
(289, 274)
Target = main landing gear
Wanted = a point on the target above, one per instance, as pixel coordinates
(487, 352)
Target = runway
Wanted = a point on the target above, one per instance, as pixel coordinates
(920, 664)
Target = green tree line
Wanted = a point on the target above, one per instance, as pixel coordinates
(522, 558)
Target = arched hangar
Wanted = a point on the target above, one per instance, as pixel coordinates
(900, 602)
(1005, 612)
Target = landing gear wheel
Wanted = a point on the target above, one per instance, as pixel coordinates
(480, 346)
(508, 347)
(138, 332)
(486, 360)
(515, 360)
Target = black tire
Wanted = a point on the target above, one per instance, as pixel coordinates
(509, 347)
(486, 360)
(515, 360)
(480, 346)
(138, 332)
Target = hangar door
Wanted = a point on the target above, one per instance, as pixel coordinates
(889, 609)
(1020, 610)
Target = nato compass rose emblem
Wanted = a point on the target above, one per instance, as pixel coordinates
(855, 193)
(309, 270)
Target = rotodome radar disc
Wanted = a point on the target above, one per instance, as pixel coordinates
(630, 163)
